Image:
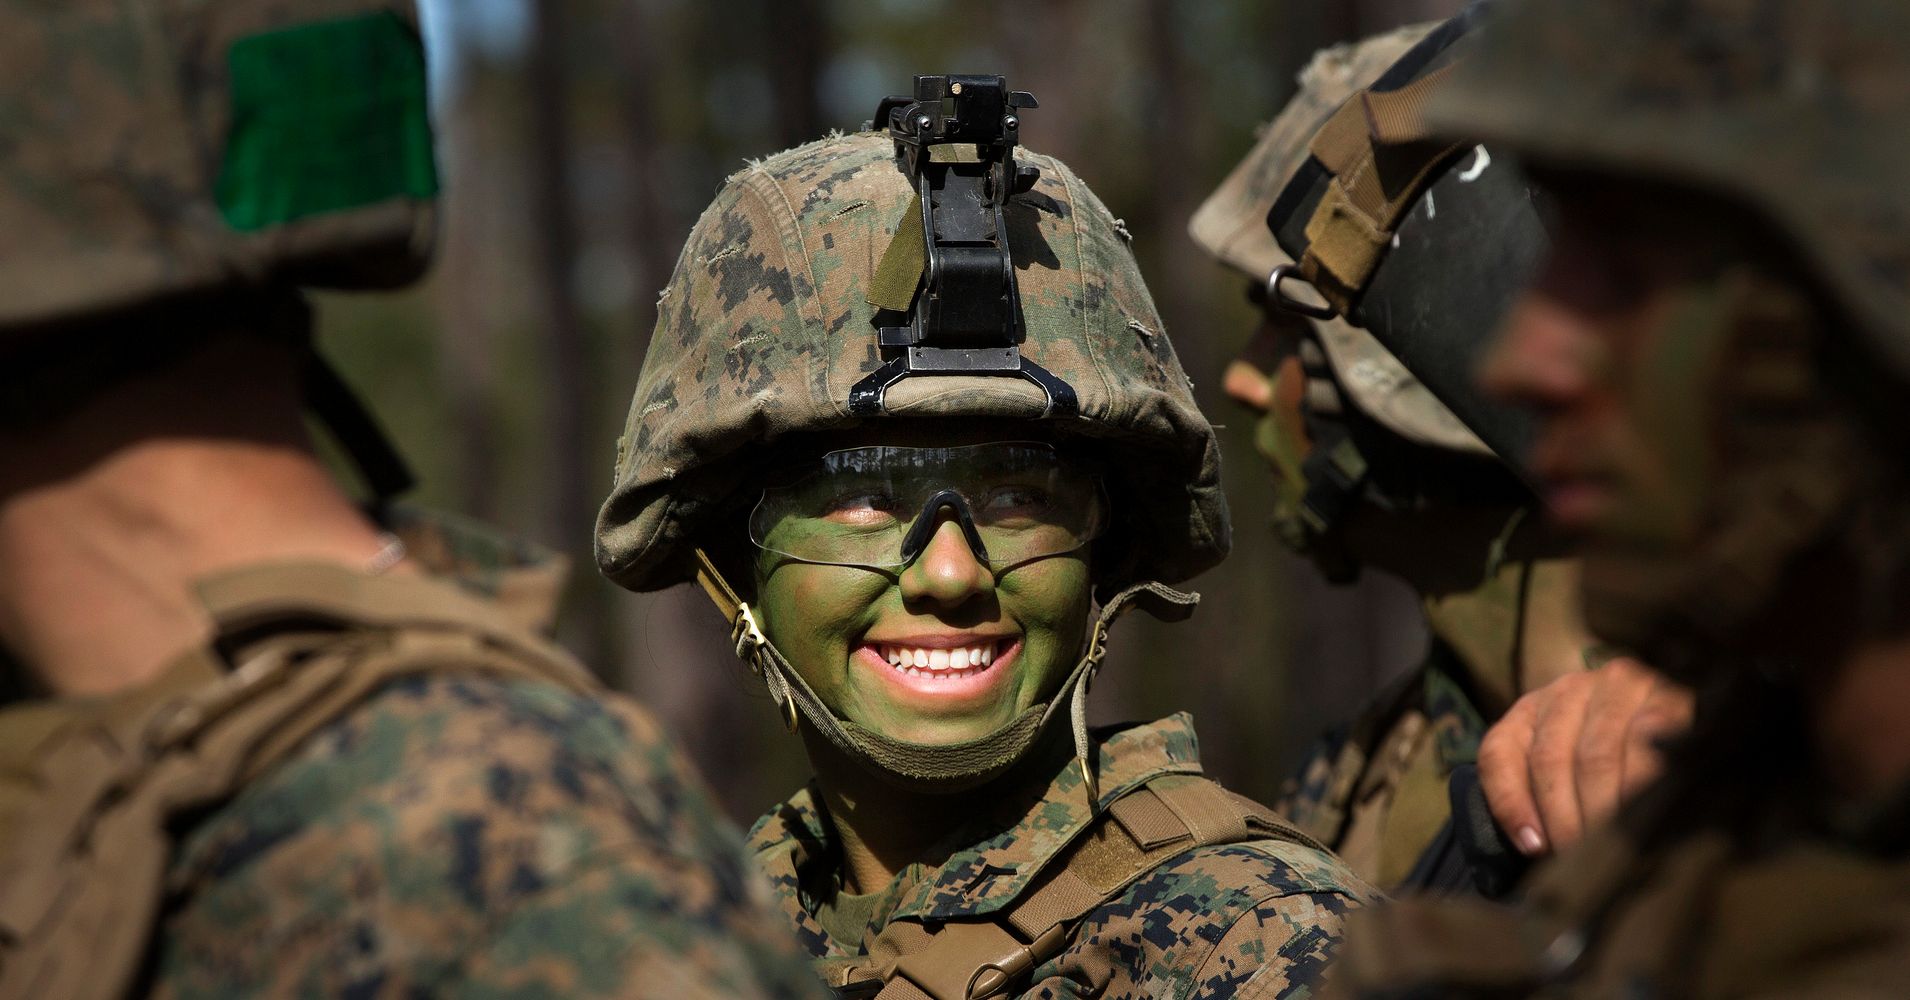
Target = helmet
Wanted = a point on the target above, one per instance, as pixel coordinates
(197, 165)
(153, 154)
(766, 326)
(1232, 226)
(1359, 216)
(1800, 111)
(1398, 339)
(767, 330)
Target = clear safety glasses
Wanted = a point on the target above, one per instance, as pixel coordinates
(877, 507)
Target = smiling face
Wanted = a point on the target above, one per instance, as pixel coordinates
(943, 650)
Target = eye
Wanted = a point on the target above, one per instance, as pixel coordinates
(861, 507)
(1012, 500)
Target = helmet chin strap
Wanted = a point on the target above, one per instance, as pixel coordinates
(956, 767)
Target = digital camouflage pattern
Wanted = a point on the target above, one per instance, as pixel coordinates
(458, 832)
(1375, 790)
(1686, 92)
(1257, 919)
(154, 150)
(766, 325)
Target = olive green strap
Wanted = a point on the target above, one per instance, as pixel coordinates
(900, 273)
(950, 768)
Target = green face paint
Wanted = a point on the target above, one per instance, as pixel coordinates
(1670, 389)
(942, 650)
(1724, 460)
(1280, 437)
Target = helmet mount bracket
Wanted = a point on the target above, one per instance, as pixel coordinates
(966, 313)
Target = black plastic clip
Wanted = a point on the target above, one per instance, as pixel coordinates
(966, 315)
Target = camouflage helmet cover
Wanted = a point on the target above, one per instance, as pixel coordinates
(1232, 226)
(1232, 223)
(1798, 110)
(150, 150)
(765, 326)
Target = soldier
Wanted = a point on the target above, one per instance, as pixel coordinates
(269, 744)
(1716, 347)
(1373, 469)
(909, 410)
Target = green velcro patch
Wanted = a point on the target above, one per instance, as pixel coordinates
(326, 117)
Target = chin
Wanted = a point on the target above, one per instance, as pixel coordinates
(945, 732)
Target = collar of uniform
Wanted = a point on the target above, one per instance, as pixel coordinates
(523, 580)
(1006, 851)
(471, 576)
(792, 842)
(493, 578)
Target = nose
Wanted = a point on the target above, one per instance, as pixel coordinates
(1249, 377)
(946, 573)
(1248, 386)
(1545, 355)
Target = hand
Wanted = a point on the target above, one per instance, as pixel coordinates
(1566, 753)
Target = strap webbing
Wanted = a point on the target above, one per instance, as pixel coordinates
(1139, 832)
(1398, 117)
(82, 885)
(1379, 155)
(356, 430)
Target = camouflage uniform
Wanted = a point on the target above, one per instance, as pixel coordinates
(359, 784)
(1378, 788)
(766, 325)
(1741, 872)
(462, 829)
(1256, 919)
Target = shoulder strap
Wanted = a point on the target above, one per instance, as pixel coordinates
(80, 887)
(1138, 833)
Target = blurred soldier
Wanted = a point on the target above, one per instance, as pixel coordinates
(1718, 350)
(910, 418)
(1373, 469)
(267, 743)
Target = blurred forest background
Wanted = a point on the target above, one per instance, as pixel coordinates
(580, 139)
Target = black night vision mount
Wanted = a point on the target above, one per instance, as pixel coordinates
(955, 140)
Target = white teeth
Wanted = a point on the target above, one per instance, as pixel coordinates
(942, 663)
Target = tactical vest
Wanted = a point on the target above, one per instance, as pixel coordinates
(82, 879)
(992, 956)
